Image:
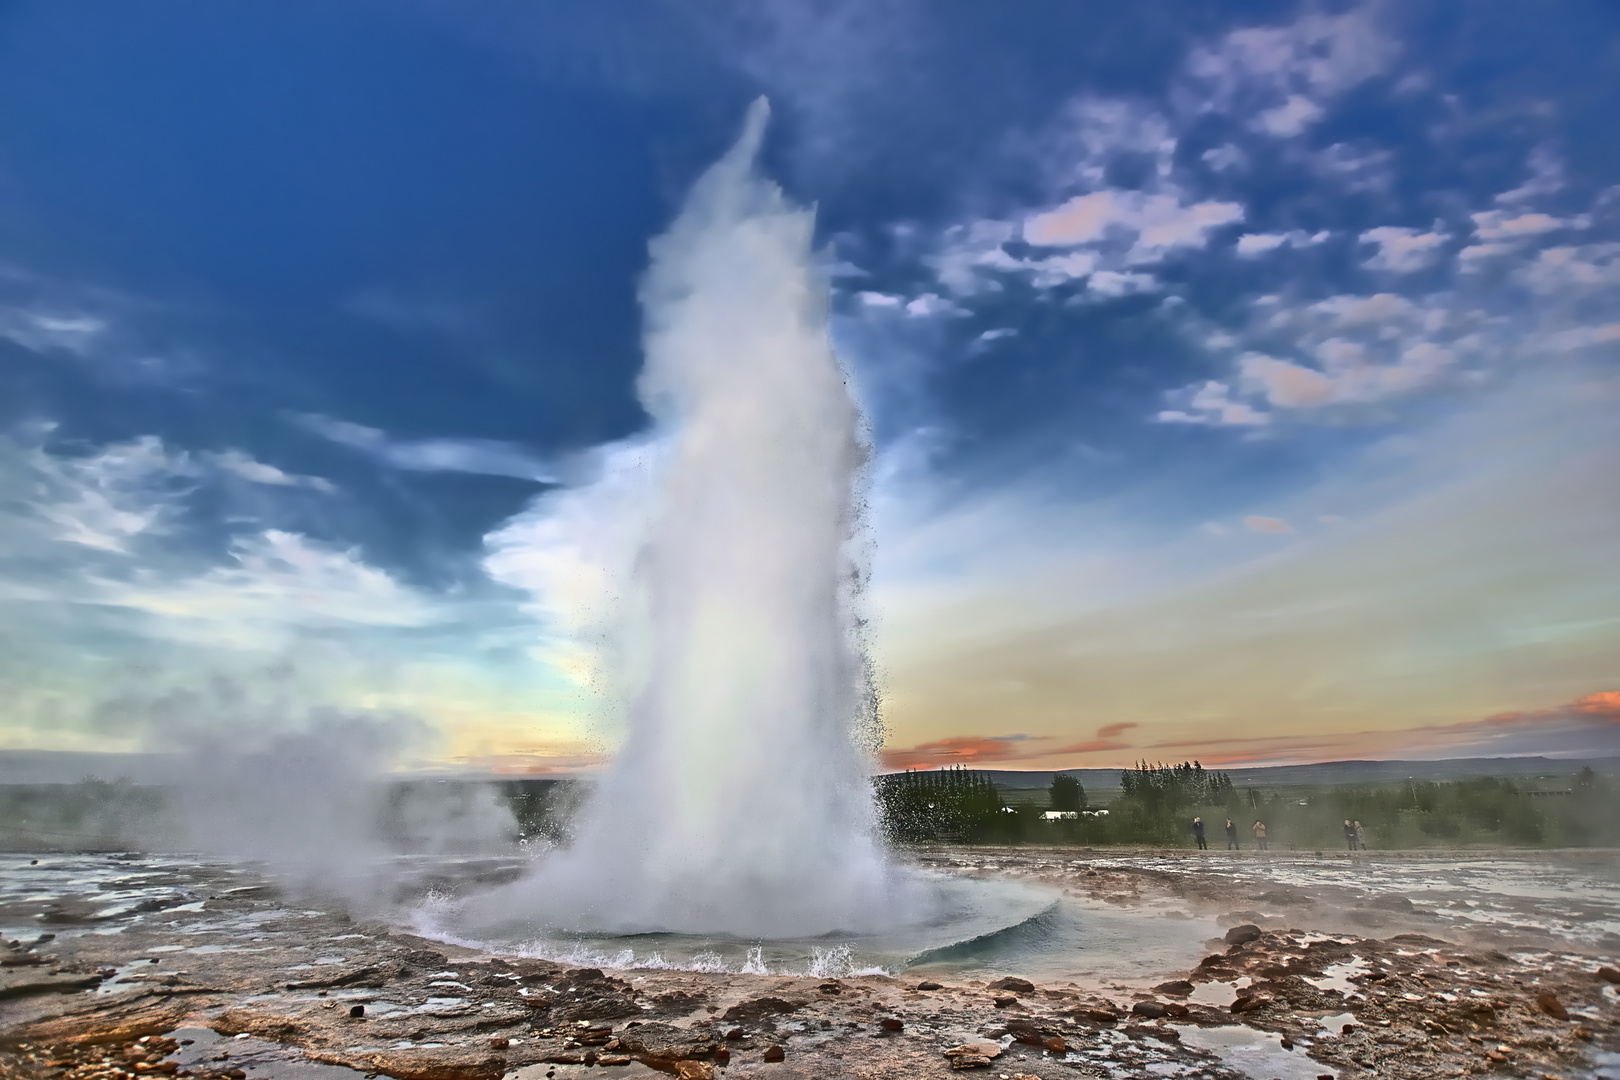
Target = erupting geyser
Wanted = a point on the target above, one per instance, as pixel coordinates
(740, 802)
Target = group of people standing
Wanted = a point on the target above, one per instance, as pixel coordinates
(1258, 828)
(1354, 835)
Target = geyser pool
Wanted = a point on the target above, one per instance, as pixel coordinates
(739, 803)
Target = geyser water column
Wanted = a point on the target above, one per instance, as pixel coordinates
(740, 801)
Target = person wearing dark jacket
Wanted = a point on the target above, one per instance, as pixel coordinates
(1231, 836)
(1198, 834)
(1349, 834)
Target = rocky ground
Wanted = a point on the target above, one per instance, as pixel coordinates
(223, 979)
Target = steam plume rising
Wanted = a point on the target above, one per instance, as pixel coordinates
(740, 801)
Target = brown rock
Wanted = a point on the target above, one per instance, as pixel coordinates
(1548, 1002)
(1177, 1010)
(1055, 1044)
(722, 1056)
(756, 1009)
(1023, 1029)
(734, 1034)
(969, 1061)
(1095, 1014)
(773, 1052)
(1178, 987)
(1242, 935)
(658, 1043)
(565, 1057)
(1250, 1003)
(891, 1023)
(1609, 974)
(1013, 983)
(974, 1055)
(1152, 1010)
(694, 1070)
(929, 985)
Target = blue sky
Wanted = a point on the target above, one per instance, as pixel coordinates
(1242, 377)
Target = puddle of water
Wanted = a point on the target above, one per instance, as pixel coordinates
(1335, 1022)
(1218, 995)
(1256, 1054)
(203, 1049)
(1338, 976)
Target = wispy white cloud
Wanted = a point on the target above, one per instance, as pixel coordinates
(1261, 524)
(1567, 270)
(275, 582)
(571, 551)
(107, 499)
(1290, 118)
(1402, 250)
(1250, 244)
(1211, 402)
(1284, 76)
(1154, 224)
(42, 330)
(254, 471)
(487, 457)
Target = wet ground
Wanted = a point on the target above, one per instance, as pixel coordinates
(1143, 964)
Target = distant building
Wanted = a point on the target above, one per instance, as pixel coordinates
(1061, 815)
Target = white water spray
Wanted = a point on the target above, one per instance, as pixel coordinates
(740, 801)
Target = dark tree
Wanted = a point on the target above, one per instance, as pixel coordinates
(1067, 794)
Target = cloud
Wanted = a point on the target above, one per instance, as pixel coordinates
(1402, 250)
(1283, 76)
(1587, 727)
(1567, 270)
(959, 750)
(1290, 118)
(1584, 337)
(276, 581)
(486, 457)
(107, 499)
(1496, 225)
(1250, 244)
(1154, 223)
(247, 468)
(1109, 731)
(572, 551)
(44, 330)
(1211, 403)
(931, 304)
(1256, 523)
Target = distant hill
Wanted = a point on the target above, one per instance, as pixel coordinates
(1103, 781)
(66, 767)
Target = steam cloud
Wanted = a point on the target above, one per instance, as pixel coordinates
(258, 774)
(740, 801)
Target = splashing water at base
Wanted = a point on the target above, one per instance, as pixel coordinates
(739, 803)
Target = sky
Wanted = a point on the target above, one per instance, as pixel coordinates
(1243, 380)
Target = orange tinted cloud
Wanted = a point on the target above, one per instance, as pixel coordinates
(1605, 703)
(1095, 746)
(1586, 726)
(1108, 731)
(961, 750)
